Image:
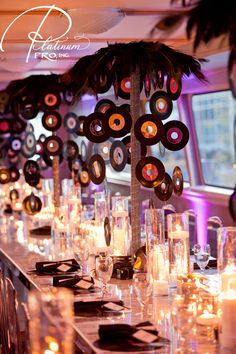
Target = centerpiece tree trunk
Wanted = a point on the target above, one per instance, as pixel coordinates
(56, 183)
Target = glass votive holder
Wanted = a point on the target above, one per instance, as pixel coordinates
(51, 321)
(61, 238)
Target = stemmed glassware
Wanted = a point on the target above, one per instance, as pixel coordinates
(142, 285)
(81, 252)
(202, 255)
(104, 269)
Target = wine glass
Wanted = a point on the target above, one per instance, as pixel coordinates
(81, 252)
(104, 269)
(202, 255)
(142, 284)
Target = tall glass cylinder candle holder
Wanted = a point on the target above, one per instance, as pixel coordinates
(51, 321)
(120, 226)
(178, 239)
(154, 225)
(101, 206)
(226, 260)
(158, 267)
(61, 238)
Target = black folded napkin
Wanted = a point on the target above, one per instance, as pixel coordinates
(60, 267)
(41, 231)
(94, 308)
(73, 281)
(126, 338)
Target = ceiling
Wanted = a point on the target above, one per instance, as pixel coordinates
(128, 21)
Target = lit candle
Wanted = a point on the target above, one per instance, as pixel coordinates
(228, 320)
(120, 242)
(207, 319)
(227, 277)
(160, 287)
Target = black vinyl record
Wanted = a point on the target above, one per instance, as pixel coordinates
(71, 122)
(80, 130)
(178, 181)
(17, 125)
(16, 144)
(4, 97)
(28, 108)
(174, 86)
(164, 190)
(50, 100)
(119, 122)
(33, 180)
(100, 82)
(161, 105)
(51, 120)
(52, 145)
(5, 176)
(126, 141)
(124, 87)
(176, 135)
(48, 159)
(95, 128)
(118, 155)
(31, 168)
(148, 129)
(103, 105)
(84, 178)
(5, 126)
(103, 149)
(29, 128)
(150, 171)
(160, 78)
(70, 150)
(32, 204)
(147, 85)
(96, 169)
(14, 194)
(15, 174)
(125, 106)
(42, 137)
(28, 148)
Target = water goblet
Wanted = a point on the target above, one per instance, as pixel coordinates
(142, 285)
(202, 255)
(104, 269)
(81, 252)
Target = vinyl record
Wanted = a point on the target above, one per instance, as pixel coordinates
(51, 121)
(75, 165)
(103, 149)
(50, 100)
(176, 135)
(33, 180)
(160, 78)
(83, 151)
(28, 148)
(70, 150)
(100, 82)
(178, 181)
(118, 155)
(32, 204)
(16, 144)
(95, 128)
(164, 190)
(4, 97)
(147, 85)
(11, 153)
(39, 147)
(5, 176)
(68, 96)
(49, 159)
(126, 141)
(103, 105)
(84, 178)
(52, 145)
(17, 125)
(29, 128)
(161, 105)
(71, 122)
(14, 194)
(80, 130)
(28, 108)
(31, 168)
(149, 129)
(42, 137)
(26, 152)
(116, 87)
(15, 174)
(119, 122)
(5, 127)
(96, 169)
(174, 86)
(124, 87)
(150, 171)
(126, 107)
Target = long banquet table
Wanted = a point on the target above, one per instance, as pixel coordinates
(16, 260)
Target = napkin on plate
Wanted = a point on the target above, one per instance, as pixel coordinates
(97, 307)
(56, 267)
(73, 281)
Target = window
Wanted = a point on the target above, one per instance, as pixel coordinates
(214, 121)
(170, 158)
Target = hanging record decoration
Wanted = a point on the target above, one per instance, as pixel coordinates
(5, 176)
(147, 85)
(174, 86)
(150, 171)
(29, 128)
(80, 130)
(28, 148)
(103, 105)
(70, 150)
(51, 120)
(161, 105)
(28, 108)
(5, 127)
(124, 87)
(126, 141)
(15, 174)
(52, 145)
(32, 204)
(148, 129)
(103, 149)
(164, 190)
(119, 122)
(39, 147)
(84, 178)
(83, 151)
(71, 122)
(118, 155)
(16, 144)
(95, 128)
(17, 125)
(50, 100)
(96, 169)
(176, 135)
(178, 181)
(160, 78)
(125, 106)
(100, 82)
(14, 194)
